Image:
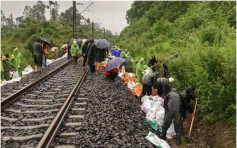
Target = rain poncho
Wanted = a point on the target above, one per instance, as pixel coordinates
(151, 79)
(139, 69)
(128, 56)
(19, 64)
(37, 48)
(13, 63)
(134, 64)
(6, 68)
(91, 54)
(123, 54)
(128, 65)
(75, 50)
(60, 52)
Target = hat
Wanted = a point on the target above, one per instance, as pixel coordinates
(171, 80)
(12, 56)
(74, 42)
(4, 58)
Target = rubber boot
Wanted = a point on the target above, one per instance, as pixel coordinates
(6, 75)
(163, 135)
(2, 75)
(19, 70)
(178, 140)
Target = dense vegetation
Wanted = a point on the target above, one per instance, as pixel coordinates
(204, 36)
(58, 30)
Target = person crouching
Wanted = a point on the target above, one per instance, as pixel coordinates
(112, 74)
(149, 80)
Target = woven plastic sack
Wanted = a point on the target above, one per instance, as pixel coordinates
(171, 132)
(146, 106)
(160, 116)
(137, 90)
(157, 141)
(155, 107)
(131, 85)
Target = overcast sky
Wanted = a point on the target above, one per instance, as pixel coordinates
(109, 14)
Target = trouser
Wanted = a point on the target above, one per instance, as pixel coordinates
(146, 89)
(43, 60)
(6, 75)
(19, 70)
(169, 116)
(183, 114)
(69, 54)
(92, 67)
(84, 60)
(2, 75)
(112, 75)
(75, 59)
(38, 60)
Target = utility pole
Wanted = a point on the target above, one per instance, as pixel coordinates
(74, 19)
(92, 31)
(104, 33)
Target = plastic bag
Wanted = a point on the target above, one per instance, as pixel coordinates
(144, 98)
(157, 141)
(160, 116)
(27, 70)
(171, 132)
(159, 99)
(146, 106)
(153, 123)
(15, 75)
(155, 107)
(131, 85)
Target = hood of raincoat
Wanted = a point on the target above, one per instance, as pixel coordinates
(16, 51)
(12, 56)
(141, 60)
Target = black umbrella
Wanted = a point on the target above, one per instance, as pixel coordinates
(102, 43)
(45, 40)
(79, 41)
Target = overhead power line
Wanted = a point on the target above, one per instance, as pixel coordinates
(87, 7)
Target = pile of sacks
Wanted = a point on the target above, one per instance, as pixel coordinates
(135, 88)
(153, 107)
(101, 65)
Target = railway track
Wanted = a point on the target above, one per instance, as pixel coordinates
(9, 89)
(38, 113)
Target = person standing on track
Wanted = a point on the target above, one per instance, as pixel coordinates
(75, 51)
(69, 56)
(38, 54)
(85, 52)
(91, 55)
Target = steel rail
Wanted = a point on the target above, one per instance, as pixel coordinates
(7, 101)
(49, 135)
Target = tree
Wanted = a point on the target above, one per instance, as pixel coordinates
(54, 11)
(37, 11)
(3, 18)
(137, 10)
(26, 11)
(67, 15)
(19, 19)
